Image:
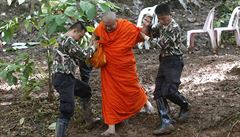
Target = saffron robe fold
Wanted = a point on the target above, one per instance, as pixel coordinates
(122, 95)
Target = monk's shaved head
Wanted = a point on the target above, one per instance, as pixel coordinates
(109, 16)
(109, 19)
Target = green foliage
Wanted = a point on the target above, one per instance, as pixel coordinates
(8, 29)
(57, 14)
(224, 12)
(20, 71)
(53, 17)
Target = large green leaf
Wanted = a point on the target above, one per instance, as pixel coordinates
(52, 28)
(13, 67)
(12, 80)
(60, 19)
(104, 7)
(49, 19)
(3, 74)
(91, 13)
(85, 5)
(70, 11)
(111, 5)
(89, 9)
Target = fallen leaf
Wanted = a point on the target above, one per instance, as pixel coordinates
(21, 121)
(52, 126)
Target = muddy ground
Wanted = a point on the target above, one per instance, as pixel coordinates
(210, 82)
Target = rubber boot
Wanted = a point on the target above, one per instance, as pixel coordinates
(166, 126)
(86, 109)
(180, 100)
(61, 127)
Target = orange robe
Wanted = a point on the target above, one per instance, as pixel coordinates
(122, 95)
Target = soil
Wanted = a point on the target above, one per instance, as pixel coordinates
(210, 82)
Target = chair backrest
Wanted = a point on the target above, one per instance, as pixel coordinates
(234, 19)
(145, 11)
(209, 20)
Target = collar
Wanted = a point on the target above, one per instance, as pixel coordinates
(165, 27)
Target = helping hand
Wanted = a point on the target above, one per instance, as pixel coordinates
(145, 37)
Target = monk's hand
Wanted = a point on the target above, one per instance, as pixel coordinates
(145, 37)
(147, 21)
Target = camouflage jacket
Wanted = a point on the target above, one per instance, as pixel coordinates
(67, 55)
(85, 41)
(168, 38)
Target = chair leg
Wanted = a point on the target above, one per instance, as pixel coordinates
(188, 39)
(237, 37)
(218, 37)
(213, 40)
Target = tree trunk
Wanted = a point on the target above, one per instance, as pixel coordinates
(50, 89)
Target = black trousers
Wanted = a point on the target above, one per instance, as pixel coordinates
(68, 87)
(85, 71)
(168, 77)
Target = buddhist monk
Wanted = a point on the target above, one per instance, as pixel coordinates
(122, 95)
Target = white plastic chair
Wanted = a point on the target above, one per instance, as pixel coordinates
(207, 28)
(232, 26)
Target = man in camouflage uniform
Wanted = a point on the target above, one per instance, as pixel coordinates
(66, 57)
(167, 35)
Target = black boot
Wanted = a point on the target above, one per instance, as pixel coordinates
(166, 104)
(61, 127)
(166, 126)
(86, 109)
(180, 100)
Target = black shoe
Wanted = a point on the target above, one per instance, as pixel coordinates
(61, 127)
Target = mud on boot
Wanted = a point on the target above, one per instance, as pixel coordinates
(164, 129)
